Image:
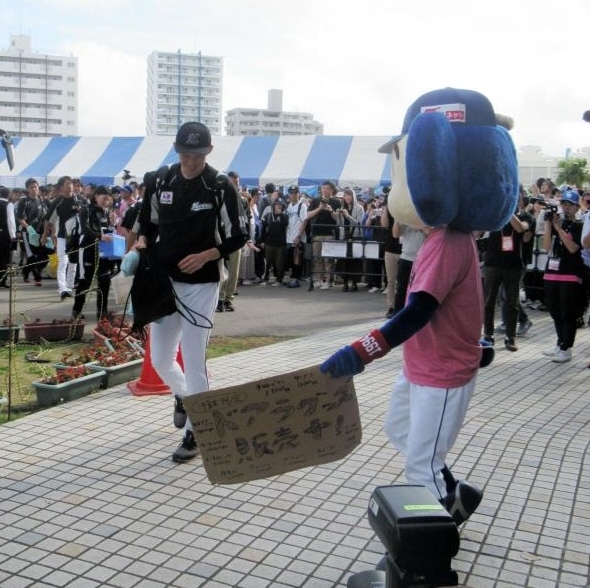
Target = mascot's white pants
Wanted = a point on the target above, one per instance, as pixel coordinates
(200, 301)
(423, 423)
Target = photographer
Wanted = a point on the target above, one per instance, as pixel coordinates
(503, 264)
(373, 231)
(349, 218)
(323, 215)
(564, 294)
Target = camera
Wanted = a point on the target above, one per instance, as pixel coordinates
(325, 201)
(550, 211)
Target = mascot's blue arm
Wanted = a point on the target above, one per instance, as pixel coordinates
(420, 308)
(351, 359)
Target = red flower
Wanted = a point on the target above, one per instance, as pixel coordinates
(121, 353)
(67, 374)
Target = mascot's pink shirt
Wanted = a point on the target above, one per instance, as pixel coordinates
(446, 352)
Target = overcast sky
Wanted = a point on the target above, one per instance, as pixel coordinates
(355, 65)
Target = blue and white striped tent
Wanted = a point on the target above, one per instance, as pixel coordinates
(304, 160)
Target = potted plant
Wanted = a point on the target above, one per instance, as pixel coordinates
(119, 362)
(55, 330)
(66, 384)
(113, 328)
(9, 331)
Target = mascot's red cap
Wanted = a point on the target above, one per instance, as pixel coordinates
(459, 106)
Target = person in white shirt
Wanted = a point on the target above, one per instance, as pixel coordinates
(296, 238)
(7, 234)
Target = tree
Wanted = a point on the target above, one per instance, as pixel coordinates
(573, 171)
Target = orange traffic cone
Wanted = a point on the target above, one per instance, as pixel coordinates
(149, 382)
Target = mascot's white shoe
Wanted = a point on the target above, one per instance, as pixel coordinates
(462, 502)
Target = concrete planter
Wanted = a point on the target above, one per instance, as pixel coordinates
(54, 331)
(118, 374)
(9, 334)
(53, 394)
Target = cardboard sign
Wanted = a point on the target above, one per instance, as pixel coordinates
(274, 425)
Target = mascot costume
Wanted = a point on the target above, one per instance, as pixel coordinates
(454, 172)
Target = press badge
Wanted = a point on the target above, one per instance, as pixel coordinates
(166, 198)
(507, 243)
(553, 264)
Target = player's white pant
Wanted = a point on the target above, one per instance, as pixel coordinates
(423, 423)
(166, 333)
(66, 271)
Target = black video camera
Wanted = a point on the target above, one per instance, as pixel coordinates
(550, 211)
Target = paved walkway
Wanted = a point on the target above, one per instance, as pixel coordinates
(89, 496)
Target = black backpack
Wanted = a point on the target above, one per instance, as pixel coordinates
(152, 294)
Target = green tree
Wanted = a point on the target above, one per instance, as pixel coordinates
(573, 171)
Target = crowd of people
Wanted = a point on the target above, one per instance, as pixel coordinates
(67, 220)
(212, 235)
(544, 250)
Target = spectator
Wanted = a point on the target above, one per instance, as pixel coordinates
(78, 188)
(322, 214)
(546, 188)
(227, 288)
(564, 295)
(127, 201)
(411, 240)
(274, 241)
(252, 260)
(393, 249)
(373, 231)
(7, 234)
(503, 265)
(270, 195)
(350, 218)
(296, 236)
(533, 282)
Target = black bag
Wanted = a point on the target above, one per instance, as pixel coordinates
(152, 294)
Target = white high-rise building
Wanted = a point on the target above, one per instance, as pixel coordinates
(272, 121)
(183, 87)
(38, 93)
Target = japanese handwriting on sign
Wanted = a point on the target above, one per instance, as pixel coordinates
(315, 428)
(274, 425)
(342, 396)
(221, 423)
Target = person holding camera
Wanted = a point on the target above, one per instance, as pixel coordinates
(503, 265)
(564, 293)
(323, 214)
(350, 217)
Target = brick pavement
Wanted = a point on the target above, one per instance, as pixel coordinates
(89, 496)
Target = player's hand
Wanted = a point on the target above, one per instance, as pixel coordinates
(345, 362)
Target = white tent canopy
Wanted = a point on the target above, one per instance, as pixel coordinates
(303, 160)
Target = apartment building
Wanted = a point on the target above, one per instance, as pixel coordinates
(183, 87)
(38, 93)
(272, 120)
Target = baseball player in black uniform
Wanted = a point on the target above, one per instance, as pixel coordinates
(194, 220)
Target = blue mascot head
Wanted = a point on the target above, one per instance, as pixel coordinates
(454, 164)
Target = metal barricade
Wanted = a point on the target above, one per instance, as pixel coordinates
(356, 259)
